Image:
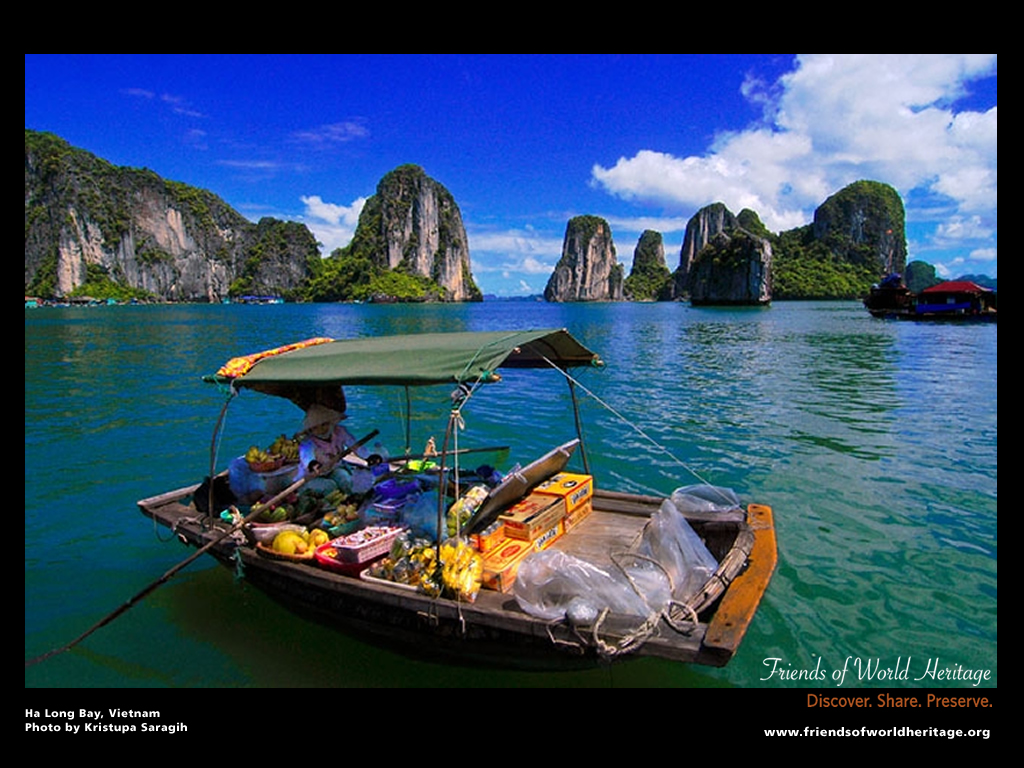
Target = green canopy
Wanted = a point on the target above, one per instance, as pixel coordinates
(412, 359)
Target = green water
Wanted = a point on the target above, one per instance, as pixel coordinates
(874, 442)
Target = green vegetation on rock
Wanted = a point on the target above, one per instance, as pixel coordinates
(857, 236)
(649, 277)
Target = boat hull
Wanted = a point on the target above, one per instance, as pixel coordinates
(494, 629)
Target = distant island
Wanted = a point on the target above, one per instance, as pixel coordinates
(95, 232)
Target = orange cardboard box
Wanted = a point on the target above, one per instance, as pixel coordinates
(575, 489)
(485, 541)
(501, 566)
(533, 516)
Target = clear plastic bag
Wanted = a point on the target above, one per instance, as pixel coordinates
(421, 515)
(705, 498)
(670, 540)
(670, 562)
(554, 584)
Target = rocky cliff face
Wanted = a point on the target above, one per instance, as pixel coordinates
(702, 227)
(721, 261)
(87, 221)
(587, 269)
(414, 225)
(734, 268)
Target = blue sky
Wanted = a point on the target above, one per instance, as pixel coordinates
(525, 142)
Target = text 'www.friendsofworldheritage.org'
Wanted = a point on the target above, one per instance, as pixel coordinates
(899, 732)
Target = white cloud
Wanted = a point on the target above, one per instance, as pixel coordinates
(332, 224)
(329, 135)
(835, 119)
(524, 251)
(959, 228)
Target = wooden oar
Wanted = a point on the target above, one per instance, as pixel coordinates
(317, 471)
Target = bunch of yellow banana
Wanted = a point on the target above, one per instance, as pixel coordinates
(286, 447)
(462, 569)
(256, 455)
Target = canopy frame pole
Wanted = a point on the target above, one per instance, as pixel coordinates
(408, 420)
(232, 392)
(442, 487)
(579, 424)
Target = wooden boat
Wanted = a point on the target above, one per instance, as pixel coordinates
(889, 297)
(706, 628)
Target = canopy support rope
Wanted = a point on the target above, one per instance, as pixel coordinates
(634, 427)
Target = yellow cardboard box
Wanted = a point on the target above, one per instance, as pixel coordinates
(532, 516)
(575, 489)
(501, 565)
(577, 515)
(550, 536)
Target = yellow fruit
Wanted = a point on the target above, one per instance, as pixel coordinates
(289, 543)
(318, 537)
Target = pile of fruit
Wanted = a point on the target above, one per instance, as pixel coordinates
(339, 508)
(298, 543)
(261, 460)
(279, 514)
(287, 448)
(282, 451)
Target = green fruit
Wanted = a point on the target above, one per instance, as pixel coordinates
(279, 515)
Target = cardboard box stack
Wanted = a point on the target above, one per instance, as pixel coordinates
(576, 491)
(534, 518)
(532, 525)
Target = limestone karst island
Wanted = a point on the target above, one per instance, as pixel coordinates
(95, 230)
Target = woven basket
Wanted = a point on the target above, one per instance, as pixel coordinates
(269, 552)
(267, 466)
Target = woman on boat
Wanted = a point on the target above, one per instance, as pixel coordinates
(322, 440)
(325, 438)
